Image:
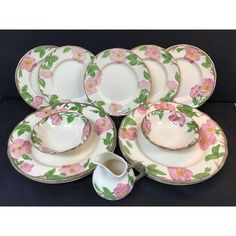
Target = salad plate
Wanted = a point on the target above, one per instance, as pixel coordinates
(26, 75)
(170, 129)
(198, 74)
(117, 81)
(61, 132)
(61, 75)
(165, 73)
(61, 167)
(183, 167)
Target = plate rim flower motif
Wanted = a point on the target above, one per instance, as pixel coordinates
(18, 74)
(86, 163)
(153, 168)
(211, 67)
(130, 59)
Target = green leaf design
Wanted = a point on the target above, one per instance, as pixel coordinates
(108, 140)
(92, 68)
(101, 110)
(152, 170)
(66, 49)
(167, 57)
(168, 97)
(70, 118)
(218, 131)
(35, 138)
(42, 82)
(26, 157)
(207, 63)
(131, 180)
(187, 110)
(142, 96)
(215, 153)
(77, 107)
(192, 126)
(125, 150)
(129, 121)
(199, 100)
(89, 164)
(179, 49)
(143, 48)
(19, 162)
(26, 95)
(49, 60)
(108, 194)
(40, 50)
(50, 175)
(133, 59)
(160, 113)
(20, 73)
(54, 101)
(21, 129)
(129, 144)
(146, 75)
(177, 77)
(106, 54)
(203, 175)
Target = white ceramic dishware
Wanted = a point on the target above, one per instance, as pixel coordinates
(184, 167)
(113, 178)
(170, 129)
(117, 81)
(164, 71)
(60, 167)
(198, 74)
(61, 75)
(60, 132)
(26, 75)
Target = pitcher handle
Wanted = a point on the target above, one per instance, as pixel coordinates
(140, 168)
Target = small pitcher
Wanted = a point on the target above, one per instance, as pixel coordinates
(113, 178)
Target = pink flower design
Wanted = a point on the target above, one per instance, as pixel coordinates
(206, 87)
(206, 140)
(19, 147)
(146, 125)
(102, 125)
(142, 109)
(144, 84)
(153, 52)
(130, 133)
(195, 90)
(180, 174)
(37, 101)
(98, 77)
(28, 63)
(172, 85)
(56, 119)
(79, 54)
(70, 170)
(177, 118)
(209, 127)
(43, 73)
(115, 109)
(90, 86)
(164, 106)
(121, 190)
(118, 55)
(26, 167)
(192, 54)
(86, 131)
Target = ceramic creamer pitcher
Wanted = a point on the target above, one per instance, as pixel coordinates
(113, 178)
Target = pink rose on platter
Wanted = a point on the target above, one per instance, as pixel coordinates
(37, 101)
(43, 73)
(177, 118)
(209, 127)
(19, 147)
(180, 174)
(56, 119)
(146, 125)
(102, 125)
(98, 77)
(26, 167)
(164, 106)
(195, 90)
(144, 84)
(86, 131)
(206, 87)
(206, 140)
(153, 52)
(142, 109)
(172, 85)
(192, 54)
(28, 63)
(90, 86)
(118, 55)
(121, 190)
(79, 54)
(70, 170)
(115, 109)
(130, 133)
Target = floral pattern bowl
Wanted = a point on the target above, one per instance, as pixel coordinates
(60, 132)
(170, 129)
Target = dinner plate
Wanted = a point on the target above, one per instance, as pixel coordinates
(26, 75)
(61, 75)
(63, 167)
(117, 81)
(198, 74)
(183, 167)
(165, 74)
